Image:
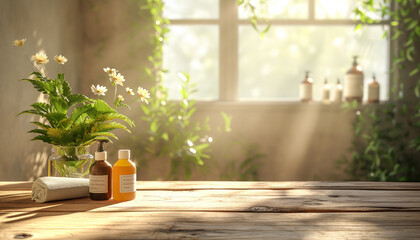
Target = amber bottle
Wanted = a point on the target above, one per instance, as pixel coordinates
(373, 91)
(100, 178)
(124, 177)
(353, 83)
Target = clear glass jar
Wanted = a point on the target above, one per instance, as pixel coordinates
(70, 161)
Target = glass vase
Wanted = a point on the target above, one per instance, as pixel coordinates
(70, 161)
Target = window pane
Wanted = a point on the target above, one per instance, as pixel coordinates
(280, 9)
(272, 68)
(191, 9)
(339, 9)
(195, 51)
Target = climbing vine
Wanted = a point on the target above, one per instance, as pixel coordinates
(386, 142)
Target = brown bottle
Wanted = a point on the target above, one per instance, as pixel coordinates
(373, 91)
(100, 178)
(353, 83)
(306, 89)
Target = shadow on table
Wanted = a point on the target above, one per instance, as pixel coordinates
(17, 205)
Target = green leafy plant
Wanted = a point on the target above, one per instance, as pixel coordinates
(69, 119)
(386, 142)
(91, 120)
(173, 135)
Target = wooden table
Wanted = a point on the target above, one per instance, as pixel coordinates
(221, 210)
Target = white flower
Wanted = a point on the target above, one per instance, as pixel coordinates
(60, 59)
(120, 98)
(99, 90)
(19, 43)
(129, 91)
(144, 94)
(116, 78)
(40, 58)
(110, 70)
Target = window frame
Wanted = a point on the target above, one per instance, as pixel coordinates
(228, 24)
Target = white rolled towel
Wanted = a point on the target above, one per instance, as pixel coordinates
(46, 189)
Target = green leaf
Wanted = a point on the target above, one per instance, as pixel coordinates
(77, 98)
(55, 134)
(113, 116)
(39, 131)
(412, 25)
(59, 104)
(41, 125)
(413, 72)
(227, 119)
(42, 107)
(104, 134)
(410, 50)
(31, 111)
(201, 147)
(165, 136)
(417, 90)
(55, 117)
(43, 138)
(77, 112)
(41, 86)
(66, 90)
(385, 34)
(109, 126)
(154, 126)
(37, 74)
(102, 107)
(145, 109)
(190, 113)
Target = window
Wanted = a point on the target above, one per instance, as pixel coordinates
(214, 42)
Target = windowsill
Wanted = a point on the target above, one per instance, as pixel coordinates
(274, 105)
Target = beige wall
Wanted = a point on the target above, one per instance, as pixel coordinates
(50, 25)
(301, 142)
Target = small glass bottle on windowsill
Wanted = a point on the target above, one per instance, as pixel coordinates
(373, 91)
(353, 83)
(326, 93)
(306, 89)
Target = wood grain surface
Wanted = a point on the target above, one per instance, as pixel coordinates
(221, 210)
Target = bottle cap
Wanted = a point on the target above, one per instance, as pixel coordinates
(99, 156)
(124, 154)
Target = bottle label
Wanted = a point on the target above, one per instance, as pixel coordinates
(353, 85)
(98, 183)
(373, 93)
(127, 183)
(305, 91)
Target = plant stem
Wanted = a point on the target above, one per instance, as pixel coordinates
(115, 93)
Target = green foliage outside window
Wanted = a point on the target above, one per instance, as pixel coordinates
(172, 133)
